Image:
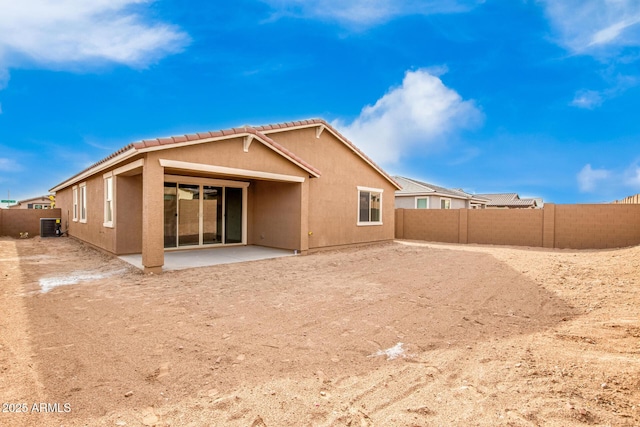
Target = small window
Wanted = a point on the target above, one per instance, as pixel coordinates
(83, 202)
(445, 203)
(369, 206)
(422, 203)
(75, 203)
(108, 201)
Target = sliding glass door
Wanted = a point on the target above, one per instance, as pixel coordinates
(211, 215)
(197, 214)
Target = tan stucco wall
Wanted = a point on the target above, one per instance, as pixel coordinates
(333, 198)
(128, 214)
(230, 153)
(92, 231)
(276, 219)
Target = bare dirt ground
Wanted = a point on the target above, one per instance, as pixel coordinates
(399, 334)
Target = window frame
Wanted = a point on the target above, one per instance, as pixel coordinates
(371, 191)
(76, 205)
(421, 198)
(83, 202)
(108, 200)
(445, 199)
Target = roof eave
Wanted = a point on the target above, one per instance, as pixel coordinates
(96, 169)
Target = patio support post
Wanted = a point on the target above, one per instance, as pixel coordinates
(152, 215)
(304, 216)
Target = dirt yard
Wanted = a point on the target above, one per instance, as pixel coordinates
(400, 334)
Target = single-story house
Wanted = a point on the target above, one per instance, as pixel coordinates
(42, 202)
(421, 195)
(298, 186)
(510, 201)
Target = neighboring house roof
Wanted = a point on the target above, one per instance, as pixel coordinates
(508, 200)
(258, 133)
(412, 187)
(34, 200)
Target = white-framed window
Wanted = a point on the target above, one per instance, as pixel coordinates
(108, 200)
(422, 203)
(83, 201)
(369, 206)
(75, 203)
(445, 203)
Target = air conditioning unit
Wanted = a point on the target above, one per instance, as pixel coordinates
(48, 227)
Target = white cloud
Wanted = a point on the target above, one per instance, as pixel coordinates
(416, 115)
(8, 165)
(594, 26)
(588, 99)
(632, 176)
(365, 12)
(69, 34)
(589, 178)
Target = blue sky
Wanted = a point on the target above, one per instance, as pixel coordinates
(537, 97)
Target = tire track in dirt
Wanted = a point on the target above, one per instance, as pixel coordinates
(19, 380)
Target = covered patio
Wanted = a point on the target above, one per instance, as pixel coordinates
(180, 260)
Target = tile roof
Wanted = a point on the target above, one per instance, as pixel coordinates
(412, 186)
(508, 199)
(165, 142)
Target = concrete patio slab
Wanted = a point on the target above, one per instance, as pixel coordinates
(180, 260)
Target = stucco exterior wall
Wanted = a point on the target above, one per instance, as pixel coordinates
(405, 202)
(229, 153)
(276, 215)
(128, 214)
(92, 231)
(333, 198)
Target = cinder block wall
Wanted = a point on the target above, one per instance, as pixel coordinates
(16, 221)
(597, 226)
(519, 227)
(436, 225)
(555, 226)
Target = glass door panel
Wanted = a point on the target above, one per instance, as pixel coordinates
(211, 215)
(170, 215)
(233, 215)
(188, 215)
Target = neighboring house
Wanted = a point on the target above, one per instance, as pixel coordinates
(298, 186)
(421, 195)
(510, 201)
(42, 202)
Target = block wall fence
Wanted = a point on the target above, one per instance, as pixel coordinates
(554, 226)
(16, 221)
